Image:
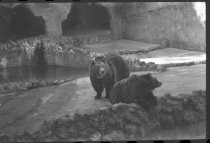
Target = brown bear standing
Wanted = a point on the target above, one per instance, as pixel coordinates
(137, 89)
(105, 71)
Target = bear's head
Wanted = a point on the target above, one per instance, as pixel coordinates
(151, 82)
(99, 67)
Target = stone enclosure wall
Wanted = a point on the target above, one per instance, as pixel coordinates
(176, 22)
(179, 23)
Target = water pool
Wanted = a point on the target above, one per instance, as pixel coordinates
(50, 73)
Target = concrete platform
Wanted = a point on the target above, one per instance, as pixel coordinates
(121, 45)
(29, 109)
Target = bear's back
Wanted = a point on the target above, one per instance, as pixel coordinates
(122, 69)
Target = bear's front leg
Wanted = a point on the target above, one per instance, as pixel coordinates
(152, 99)
(98, 87)
(108, 87)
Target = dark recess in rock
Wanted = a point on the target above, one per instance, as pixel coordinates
(40, 63)
(24, 24)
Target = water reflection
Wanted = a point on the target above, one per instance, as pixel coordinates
(4, 73)
(49, 73)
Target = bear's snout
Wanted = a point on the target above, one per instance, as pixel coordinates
(102, 71)
(160, 83)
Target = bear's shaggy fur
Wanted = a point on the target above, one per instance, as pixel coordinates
(137, 89)
(105, 71)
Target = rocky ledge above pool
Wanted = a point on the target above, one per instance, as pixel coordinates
(120, 121)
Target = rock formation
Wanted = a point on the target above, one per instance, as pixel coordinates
(182, 24)
(120, 121)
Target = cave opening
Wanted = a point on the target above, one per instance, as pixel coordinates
(5, 14)
(86, 19)
(24, 24)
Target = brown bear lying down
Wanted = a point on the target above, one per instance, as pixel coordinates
(105, 71)
(136, 89)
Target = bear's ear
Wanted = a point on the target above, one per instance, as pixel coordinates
(148, 75)
(101, 58)
(92, 62)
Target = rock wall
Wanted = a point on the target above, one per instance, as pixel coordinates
(182, 24)
(117, 23)
(56, 53)
(53, 14)
(156, 22)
